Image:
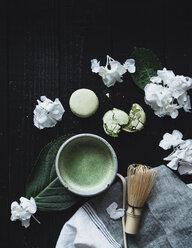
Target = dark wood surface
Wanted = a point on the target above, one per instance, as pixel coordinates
(45, 49)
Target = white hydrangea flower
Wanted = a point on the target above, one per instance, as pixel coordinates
(171, 140)
(47, 113)
(160, 99)
(113, 70)
(23, 211)
(181, 157)
(167, 93)
(114, 212)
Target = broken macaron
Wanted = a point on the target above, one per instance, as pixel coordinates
(116, 120)
(137, 119)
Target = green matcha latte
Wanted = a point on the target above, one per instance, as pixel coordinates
(87, 164)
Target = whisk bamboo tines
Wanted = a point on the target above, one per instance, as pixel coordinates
(140, 181)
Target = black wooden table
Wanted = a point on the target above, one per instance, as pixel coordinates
(45, 49)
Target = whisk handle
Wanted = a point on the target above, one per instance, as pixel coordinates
(132, 220)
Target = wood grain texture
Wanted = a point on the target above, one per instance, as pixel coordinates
(4, 178)
(45, 49)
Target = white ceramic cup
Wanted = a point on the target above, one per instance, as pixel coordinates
(86, 164)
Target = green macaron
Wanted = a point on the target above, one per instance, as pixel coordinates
(83, 103)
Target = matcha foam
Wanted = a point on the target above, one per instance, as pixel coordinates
(86, 165)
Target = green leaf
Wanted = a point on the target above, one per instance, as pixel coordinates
(43, 184)
(147, 64)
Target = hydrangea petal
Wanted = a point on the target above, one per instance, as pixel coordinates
(178, 135)
(28, 205)
(174, 114)
(95, 65)
(166, 75)
(115, 213)
(155, 79)
(164, 144)
(185, 169)
(117, 67)
(173, 164)
(170, 140)
(187, 105)
(130, 65)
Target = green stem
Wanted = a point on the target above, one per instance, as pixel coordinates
(36, 219)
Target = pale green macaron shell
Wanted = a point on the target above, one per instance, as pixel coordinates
(137, 119)
(113, 120)
(83, 103)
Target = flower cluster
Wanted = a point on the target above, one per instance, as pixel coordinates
(113, 70)
(47, 113)
(23, 211)
(181, 157)
(167, 93)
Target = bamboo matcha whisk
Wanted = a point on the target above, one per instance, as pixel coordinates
(140, 181)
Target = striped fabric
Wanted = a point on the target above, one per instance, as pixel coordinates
(100, 225)
(166, 218)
